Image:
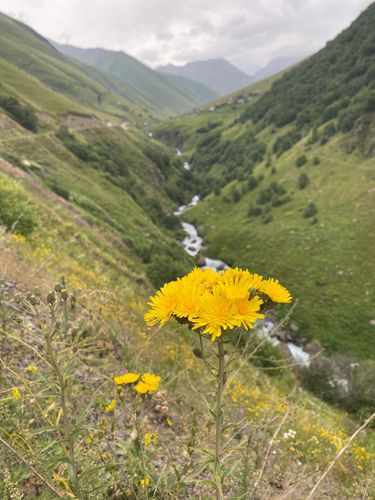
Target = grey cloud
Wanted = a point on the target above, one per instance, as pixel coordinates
(247, 32)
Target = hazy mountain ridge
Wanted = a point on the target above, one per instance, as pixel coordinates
(172, 94)
(275, 66)
(218, 74)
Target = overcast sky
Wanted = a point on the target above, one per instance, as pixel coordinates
(248, 33)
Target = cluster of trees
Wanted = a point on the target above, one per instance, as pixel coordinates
(15, 212)
(269, 197)
(21, 113)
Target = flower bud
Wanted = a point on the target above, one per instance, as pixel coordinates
(34, 300)
(51, 298)
(197, 353)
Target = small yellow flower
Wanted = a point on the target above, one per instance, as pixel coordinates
(168, 421)
(275, 291)
(16, 393)
(111, 406)
(127, 378)
(31, 368)
(90, 438)
(148, 384)
(145, 482)
(148, 439)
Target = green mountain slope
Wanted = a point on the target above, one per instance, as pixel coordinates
(169, 93)
(32, 54)
(112, 175)
(292, 177)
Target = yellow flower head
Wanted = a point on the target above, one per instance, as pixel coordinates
(127, 378)
(247, 311)
(215, 313)
(145, 482)
(275, 291)
(31, 368)
(203, 279)
(148, 384)
(16, 393)
(163, 304)
(111, 406)
(150, 438)
(147, 439)
(188, 299)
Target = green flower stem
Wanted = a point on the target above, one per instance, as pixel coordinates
(219, 419)
(138, 410)
(68, 431)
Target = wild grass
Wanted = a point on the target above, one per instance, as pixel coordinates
(67, 430)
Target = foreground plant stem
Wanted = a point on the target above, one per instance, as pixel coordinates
(68, 431)
(219, 420)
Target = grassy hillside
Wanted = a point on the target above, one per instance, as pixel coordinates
(60, 137)
(32, 54)
(168, 94)
(289, 185)
(99, 333)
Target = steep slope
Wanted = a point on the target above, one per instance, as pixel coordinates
(29, 52)
(292, 182)
(216, 74)
(171, 95)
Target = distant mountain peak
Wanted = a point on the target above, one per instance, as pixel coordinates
(218, 74)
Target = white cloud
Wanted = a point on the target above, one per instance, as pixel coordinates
(249, 33)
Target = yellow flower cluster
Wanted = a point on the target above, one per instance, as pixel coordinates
(150, 439)
(145, 482)
(214, 301)
(146, 383)
(16, 393)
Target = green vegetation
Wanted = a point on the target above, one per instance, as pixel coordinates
(303, 181)
(91, 198)
(15, 213)
(24, 115)
(318, 231)
(29, 59)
